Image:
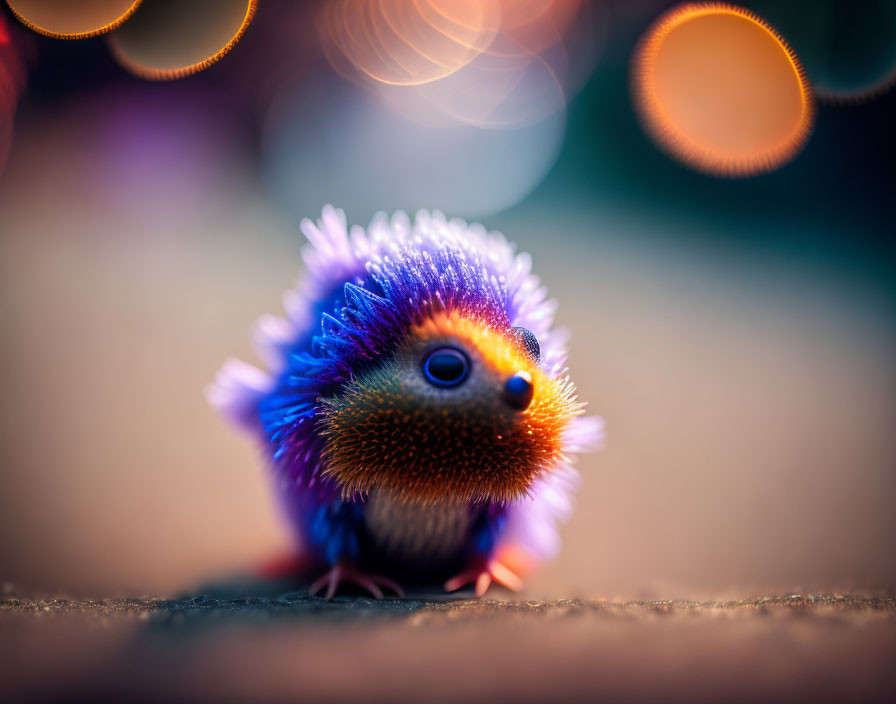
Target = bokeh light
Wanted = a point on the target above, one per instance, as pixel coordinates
(518, 62)
(491, 92)
(73, 19)
(409, 42)
(847, 49)
(536, 25)
(166, 40)
(327, 138)
(12, 78)
(720, 90)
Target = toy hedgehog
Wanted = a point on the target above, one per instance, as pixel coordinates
(417, 413)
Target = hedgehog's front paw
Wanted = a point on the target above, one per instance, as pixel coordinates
(346, 572)
(483, 575)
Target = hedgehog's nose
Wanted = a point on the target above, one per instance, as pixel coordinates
(518, 391)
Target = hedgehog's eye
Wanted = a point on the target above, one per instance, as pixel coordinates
(527, 340)
(446, 367)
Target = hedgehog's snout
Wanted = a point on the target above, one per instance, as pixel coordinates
(518, 390)
(458, 412)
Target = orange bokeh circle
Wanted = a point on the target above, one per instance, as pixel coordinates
(408, 42)
(166, 41)
(720, 90)
(75, 19)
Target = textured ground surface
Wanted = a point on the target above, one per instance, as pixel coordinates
(287, 647)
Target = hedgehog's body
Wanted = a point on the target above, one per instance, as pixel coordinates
(417, 413)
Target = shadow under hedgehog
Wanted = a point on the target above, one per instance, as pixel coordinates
(417, 412)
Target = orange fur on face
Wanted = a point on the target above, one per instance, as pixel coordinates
(390, 430)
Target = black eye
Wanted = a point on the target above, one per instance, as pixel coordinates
(528, 342)
(446, 367)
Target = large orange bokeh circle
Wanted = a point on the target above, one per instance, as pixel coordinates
(717, 87)
(166, 41)
(73, 19)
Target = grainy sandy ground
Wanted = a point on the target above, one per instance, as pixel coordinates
(290, 647)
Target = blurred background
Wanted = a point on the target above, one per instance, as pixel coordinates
(732, 304)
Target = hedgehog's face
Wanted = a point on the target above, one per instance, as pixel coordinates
(460, 412)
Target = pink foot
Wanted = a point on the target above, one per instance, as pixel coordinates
(483, 576)
(345, 572)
